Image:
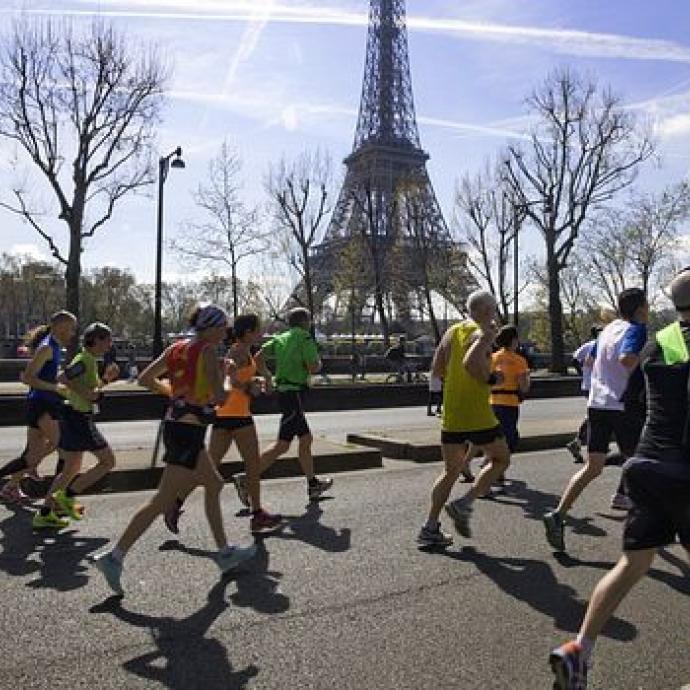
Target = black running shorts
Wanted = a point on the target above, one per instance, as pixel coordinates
(183, 443)
(78, 432)
(661, 507)
(482, 437)
(37, 407)
(232, 423)
(623, 426)
(292, 422)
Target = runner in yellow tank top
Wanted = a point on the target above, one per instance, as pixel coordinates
(463, 360)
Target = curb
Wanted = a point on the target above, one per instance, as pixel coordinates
(125, 480)
(401, 449)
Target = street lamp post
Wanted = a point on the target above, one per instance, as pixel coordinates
(164, 165)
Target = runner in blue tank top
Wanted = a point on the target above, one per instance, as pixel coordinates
(44, 400)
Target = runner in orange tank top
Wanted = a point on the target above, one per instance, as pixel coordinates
(234, 421)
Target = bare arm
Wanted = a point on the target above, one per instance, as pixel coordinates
(150, 377)
(262, 368)
(629, 360)
(30, 377)
(313, 367)
(477, 359)
(214, 376)
(439, 363)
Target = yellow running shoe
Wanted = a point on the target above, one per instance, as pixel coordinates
(49, 520)
(68, 505)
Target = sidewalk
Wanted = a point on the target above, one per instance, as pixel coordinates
(135, 472)
(424, 445)
(366, 450)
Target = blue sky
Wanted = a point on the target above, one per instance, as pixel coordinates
(278, 77)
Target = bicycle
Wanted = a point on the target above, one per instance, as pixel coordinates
(401, 376)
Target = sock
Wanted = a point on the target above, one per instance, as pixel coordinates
(587, 647)
(431, 524)
(118, 554)
(313, 481)
(16, 465)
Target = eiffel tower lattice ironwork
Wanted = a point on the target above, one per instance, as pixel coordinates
(387, 186)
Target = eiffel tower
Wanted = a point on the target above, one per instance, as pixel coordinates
(387, 177)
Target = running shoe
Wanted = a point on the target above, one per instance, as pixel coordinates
(237, 555)
(467, 477)
(171, 517)
(263, 520)
(319, 487)
(433, 537)
(621, 502)
(48, 521)
(555, 530)
(12, 493)
(569, 667)
(111, 569)
(460, 515)
(240, 482)
(575, 449)
(68, 505)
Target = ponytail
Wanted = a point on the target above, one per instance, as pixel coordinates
(33, 338)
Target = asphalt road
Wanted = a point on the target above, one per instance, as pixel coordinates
(331, 425)
(342, 598)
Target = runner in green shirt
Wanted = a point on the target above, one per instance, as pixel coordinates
(78, 432)
(296, 359)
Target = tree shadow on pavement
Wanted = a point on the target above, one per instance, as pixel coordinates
(309, 529)
(257, 586)
(184, 657)
(61, 556)
(681, 583)
(535, 503)
(535, 583)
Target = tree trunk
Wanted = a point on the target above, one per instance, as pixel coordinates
(72, 284)
(234, 289)
(308, 287)
(555, 314)
(432, 315)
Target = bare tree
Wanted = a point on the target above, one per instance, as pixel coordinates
(230, 232)
(83, 108)
(635, 245)
(299, 193)
(431, 254)
(488, 219)
(584, 149)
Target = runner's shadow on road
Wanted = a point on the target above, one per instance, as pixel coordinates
(309, 529)
(535, 503)
(257, 586)
(679, 583)
(184, 657)
(535, 583)
(58, 558)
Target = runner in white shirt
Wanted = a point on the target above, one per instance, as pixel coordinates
(616, 356)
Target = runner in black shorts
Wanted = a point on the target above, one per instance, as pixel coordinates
(78, 432)
(45, 400)
(616, 356)
(657, 479)
(234, 422)
(196, 385)
(296, 358)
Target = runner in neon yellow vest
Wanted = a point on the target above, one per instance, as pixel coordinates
(463, 361)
